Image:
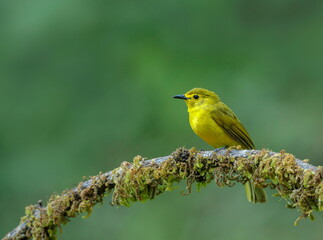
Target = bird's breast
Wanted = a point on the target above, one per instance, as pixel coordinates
(206, 128)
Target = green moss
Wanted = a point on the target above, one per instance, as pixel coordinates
(143, 180)
(140, 183)
(44, 222)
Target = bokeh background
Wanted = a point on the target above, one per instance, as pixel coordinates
(86, 85)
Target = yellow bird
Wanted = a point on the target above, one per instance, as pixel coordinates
(216, 124)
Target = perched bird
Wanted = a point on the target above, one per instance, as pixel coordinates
(216, 124)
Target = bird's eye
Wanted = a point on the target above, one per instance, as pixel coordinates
(196, 96)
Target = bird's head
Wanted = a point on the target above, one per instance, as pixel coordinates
(199, 97)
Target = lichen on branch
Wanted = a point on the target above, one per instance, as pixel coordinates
(296, 181)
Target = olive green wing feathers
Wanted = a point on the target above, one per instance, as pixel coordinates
(227, 120)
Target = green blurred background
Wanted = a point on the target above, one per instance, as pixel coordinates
(86, 85)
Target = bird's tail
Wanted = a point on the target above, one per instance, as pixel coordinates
(255, 194)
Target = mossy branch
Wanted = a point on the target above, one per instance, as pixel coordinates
(296, 181)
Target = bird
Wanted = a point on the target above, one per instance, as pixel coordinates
(216, 124)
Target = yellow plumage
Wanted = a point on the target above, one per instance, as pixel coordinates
(216, 124)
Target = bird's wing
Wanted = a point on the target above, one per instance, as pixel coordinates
(226, 119)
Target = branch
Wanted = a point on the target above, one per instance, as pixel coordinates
(297, 181)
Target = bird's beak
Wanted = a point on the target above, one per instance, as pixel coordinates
(181, 97)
